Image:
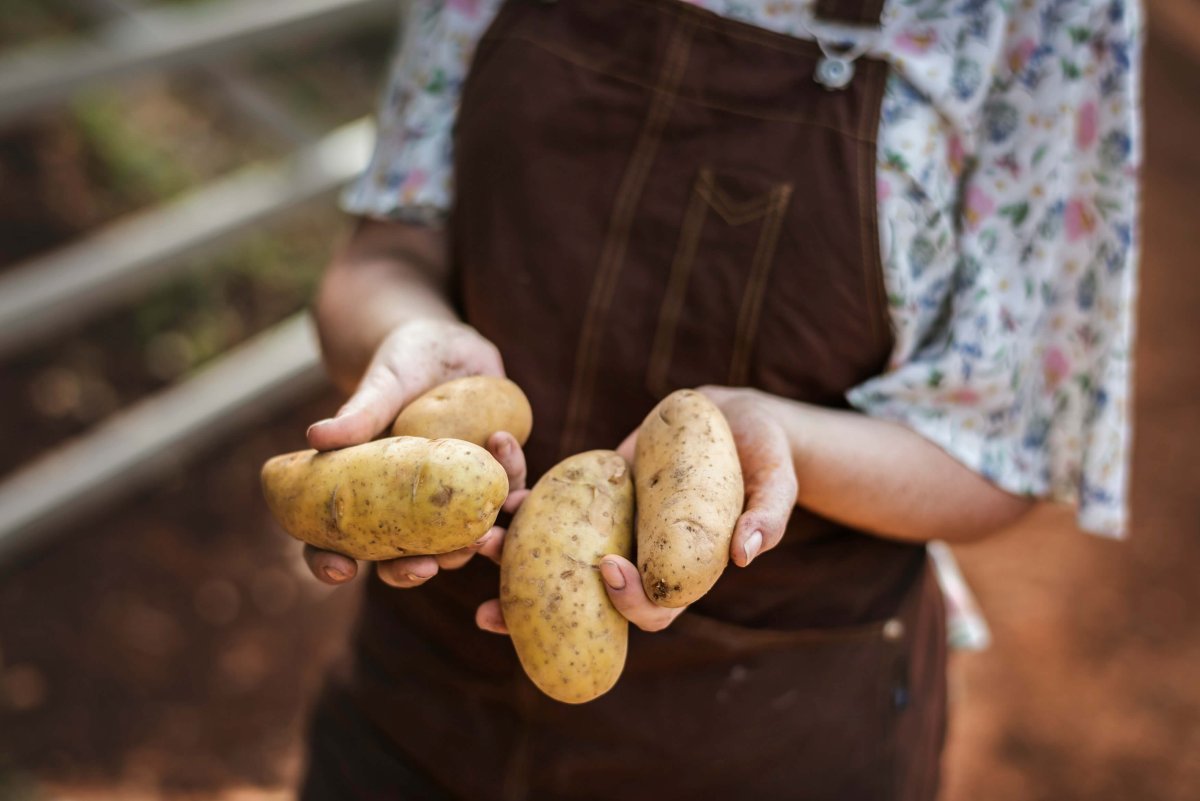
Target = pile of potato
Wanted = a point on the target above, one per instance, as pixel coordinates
(432, 488)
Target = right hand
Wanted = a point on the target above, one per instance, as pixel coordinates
(412, 359)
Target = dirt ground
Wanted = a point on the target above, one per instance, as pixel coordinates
(167, 649)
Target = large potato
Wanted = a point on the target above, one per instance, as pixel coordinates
(569, 637)
(689, 497)
(470, 409)
(387, 498)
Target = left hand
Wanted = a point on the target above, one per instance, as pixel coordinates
(770, 481)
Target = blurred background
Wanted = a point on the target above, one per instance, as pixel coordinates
(167, 179)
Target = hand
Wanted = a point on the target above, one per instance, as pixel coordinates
(770, 480)
(412, 359)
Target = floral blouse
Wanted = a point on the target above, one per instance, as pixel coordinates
(1008, 153)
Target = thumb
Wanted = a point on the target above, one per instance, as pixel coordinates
(372, 408)
(770, 499)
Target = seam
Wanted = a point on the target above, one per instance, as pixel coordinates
(672, 304)
(868, 213)
(752, 299)
(790, 45)
(727, 26)
(731, 211)
(620, 226)
(697, 99)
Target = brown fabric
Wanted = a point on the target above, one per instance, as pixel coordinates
(863, 12)
(653, 197)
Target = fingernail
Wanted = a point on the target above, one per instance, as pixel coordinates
(318, 424)
(415, 577)
(752, 545)
(479, 543)
(612, 575)
(333, 574)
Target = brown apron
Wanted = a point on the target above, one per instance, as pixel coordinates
(650, 197)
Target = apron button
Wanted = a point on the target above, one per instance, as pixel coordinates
(834, 72)
(893, 630)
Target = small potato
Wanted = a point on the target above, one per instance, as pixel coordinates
(689, 497)
(387, 498)
(569, 637)
(470, 409)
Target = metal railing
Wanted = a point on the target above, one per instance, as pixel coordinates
(126, 258)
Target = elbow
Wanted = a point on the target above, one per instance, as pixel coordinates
(996, 512)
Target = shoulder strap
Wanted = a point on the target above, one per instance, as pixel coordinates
(851, 12)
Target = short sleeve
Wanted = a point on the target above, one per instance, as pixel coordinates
(1020, 364)
(410, 174)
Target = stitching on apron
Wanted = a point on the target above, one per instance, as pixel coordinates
(734, 28)
(613, 255)
(752, 299)
(868, 214)
(681, 269)
(706, 194)
(697, 99)
(732, 212)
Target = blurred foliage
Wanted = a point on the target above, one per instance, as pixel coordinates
(138, 167)
(137, 142)
(25, 21)
(332, 83)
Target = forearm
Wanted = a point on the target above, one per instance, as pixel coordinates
(881, 477)
(386, 274)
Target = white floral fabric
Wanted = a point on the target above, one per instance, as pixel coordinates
(1008, 153)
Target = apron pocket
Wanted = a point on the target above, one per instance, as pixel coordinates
(717, 283)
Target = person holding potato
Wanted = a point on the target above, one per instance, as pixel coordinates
(891, 241)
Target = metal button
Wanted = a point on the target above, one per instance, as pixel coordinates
(893, 630)
(833, 72)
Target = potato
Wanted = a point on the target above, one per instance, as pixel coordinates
(470, 409)
(569, 637)
(387, 498)
(689, 497)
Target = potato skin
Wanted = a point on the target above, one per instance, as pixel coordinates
(689, 497)
(569, 637)
(387, 498)
(471, 409)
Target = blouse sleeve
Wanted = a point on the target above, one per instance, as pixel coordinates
(410, 173)
(1025, 373)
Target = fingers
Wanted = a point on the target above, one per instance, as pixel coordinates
(624, 586)
(492, 541)
(508, 453)
(490, 617)
(771, 487)
(493, 544)
(514, 500)
(328, 567)
(372, 408)
(413, 571)
(628, 446)
(407, 571)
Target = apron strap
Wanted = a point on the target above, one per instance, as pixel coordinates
(851, 12)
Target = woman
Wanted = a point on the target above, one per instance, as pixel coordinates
(894, 245)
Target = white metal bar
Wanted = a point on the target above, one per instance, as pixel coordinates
(47, 294)
(172, 37)
(131, 449)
